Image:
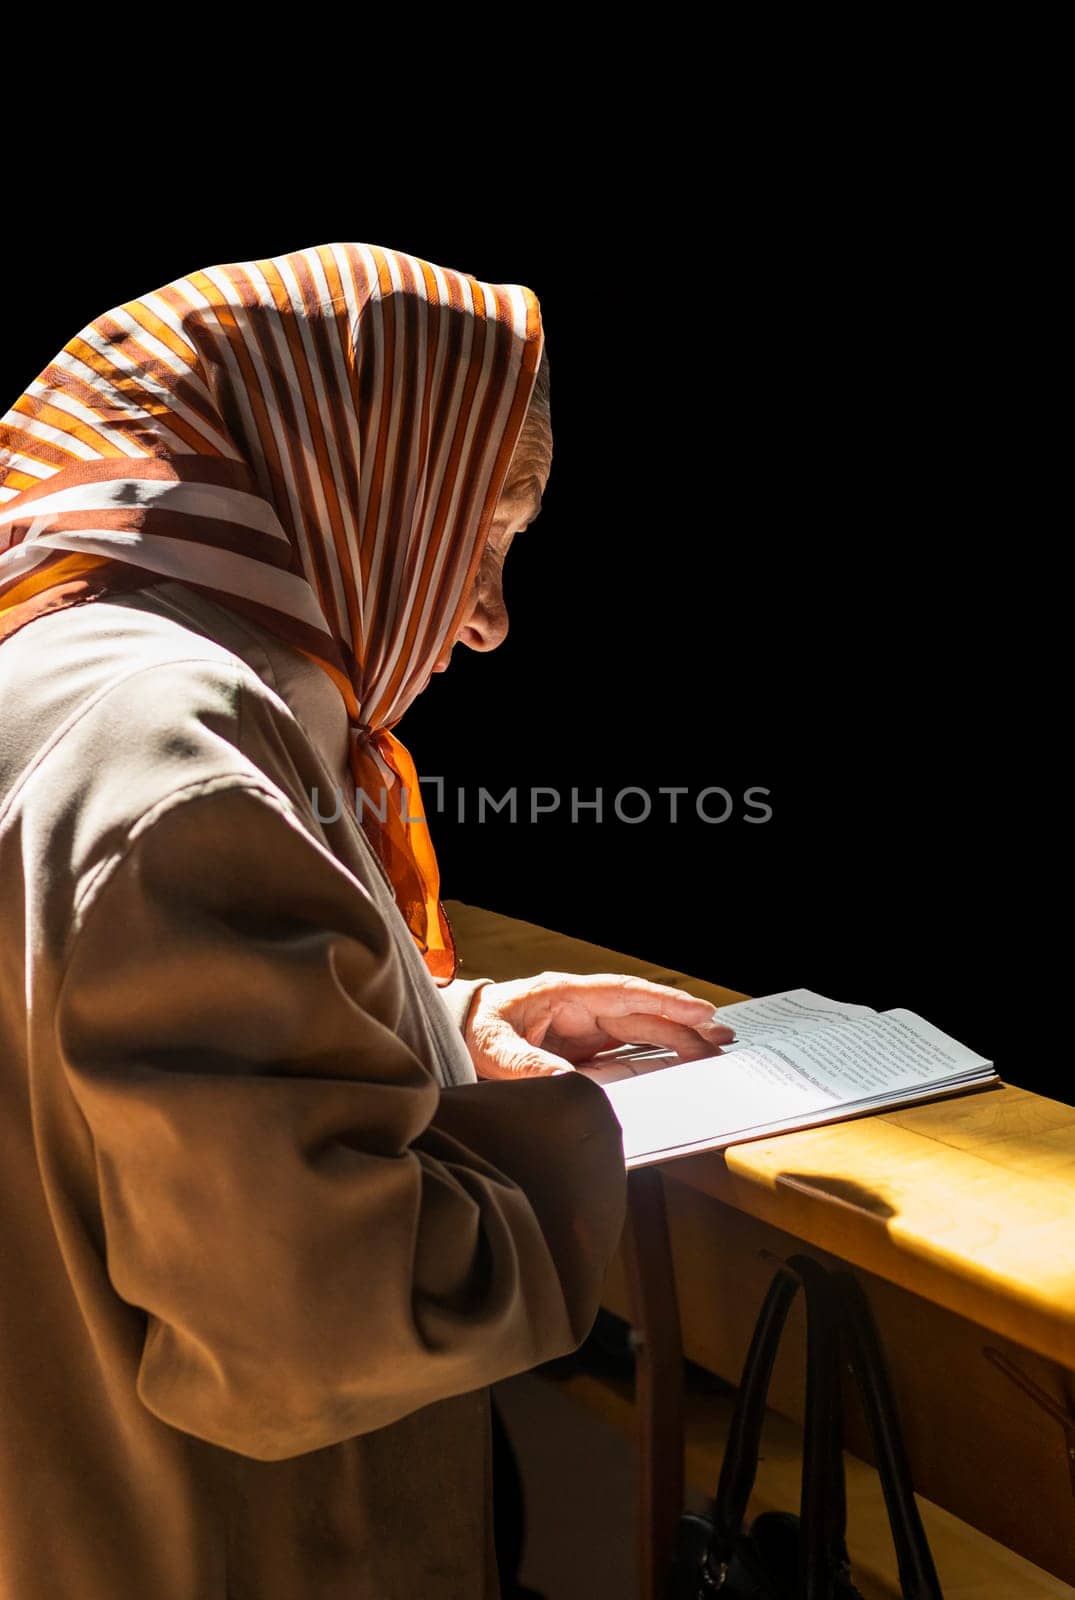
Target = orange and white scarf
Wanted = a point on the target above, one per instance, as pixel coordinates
(317, 441)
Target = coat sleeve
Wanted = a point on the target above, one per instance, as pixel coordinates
(322, 1240)
(458, 995)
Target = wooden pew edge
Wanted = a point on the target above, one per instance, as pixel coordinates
(830, 1224)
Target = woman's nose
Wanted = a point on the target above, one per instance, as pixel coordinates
(487, 625)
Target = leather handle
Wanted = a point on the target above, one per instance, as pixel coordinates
(740, 1464)
(838, 1322)
(918, 1575)
(822, 1508)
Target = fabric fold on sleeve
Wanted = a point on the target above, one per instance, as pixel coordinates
(322, 1239)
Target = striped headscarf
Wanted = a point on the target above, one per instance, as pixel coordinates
(317, 441)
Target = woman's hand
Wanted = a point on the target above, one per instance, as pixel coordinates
(537, 1026)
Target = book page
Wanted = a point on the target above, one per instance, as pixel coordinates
(721, 1097)
(875, 1055)
(786, 1015)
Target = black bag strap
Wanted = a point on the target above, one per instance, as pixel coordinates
(823, 1553)
(823, 1560)
(918, 1575)
(838, 1323)
(739, 1466)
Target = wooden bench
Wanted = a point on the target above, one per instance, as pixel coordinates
(959, 1220)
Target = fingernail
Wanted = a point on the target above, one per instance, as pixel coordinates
(715, 1022)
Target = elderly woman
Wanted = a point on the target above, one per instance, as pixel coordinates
(270, 1227)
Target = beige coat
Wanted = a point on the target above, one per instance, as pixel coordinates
(265, 1241)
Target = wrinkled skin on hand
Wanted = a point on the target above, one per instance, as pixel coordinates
(546, 1024)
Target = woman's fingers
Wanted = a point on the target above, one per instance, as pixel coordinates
(644, 1027)
(608, 995)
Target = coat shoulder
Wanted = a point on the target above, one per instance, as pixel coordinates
(111, 714)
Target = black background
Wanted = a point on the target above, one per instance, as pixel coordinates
(765, 556)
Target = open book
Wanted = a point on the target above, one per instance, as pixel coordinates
(798, 1060)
